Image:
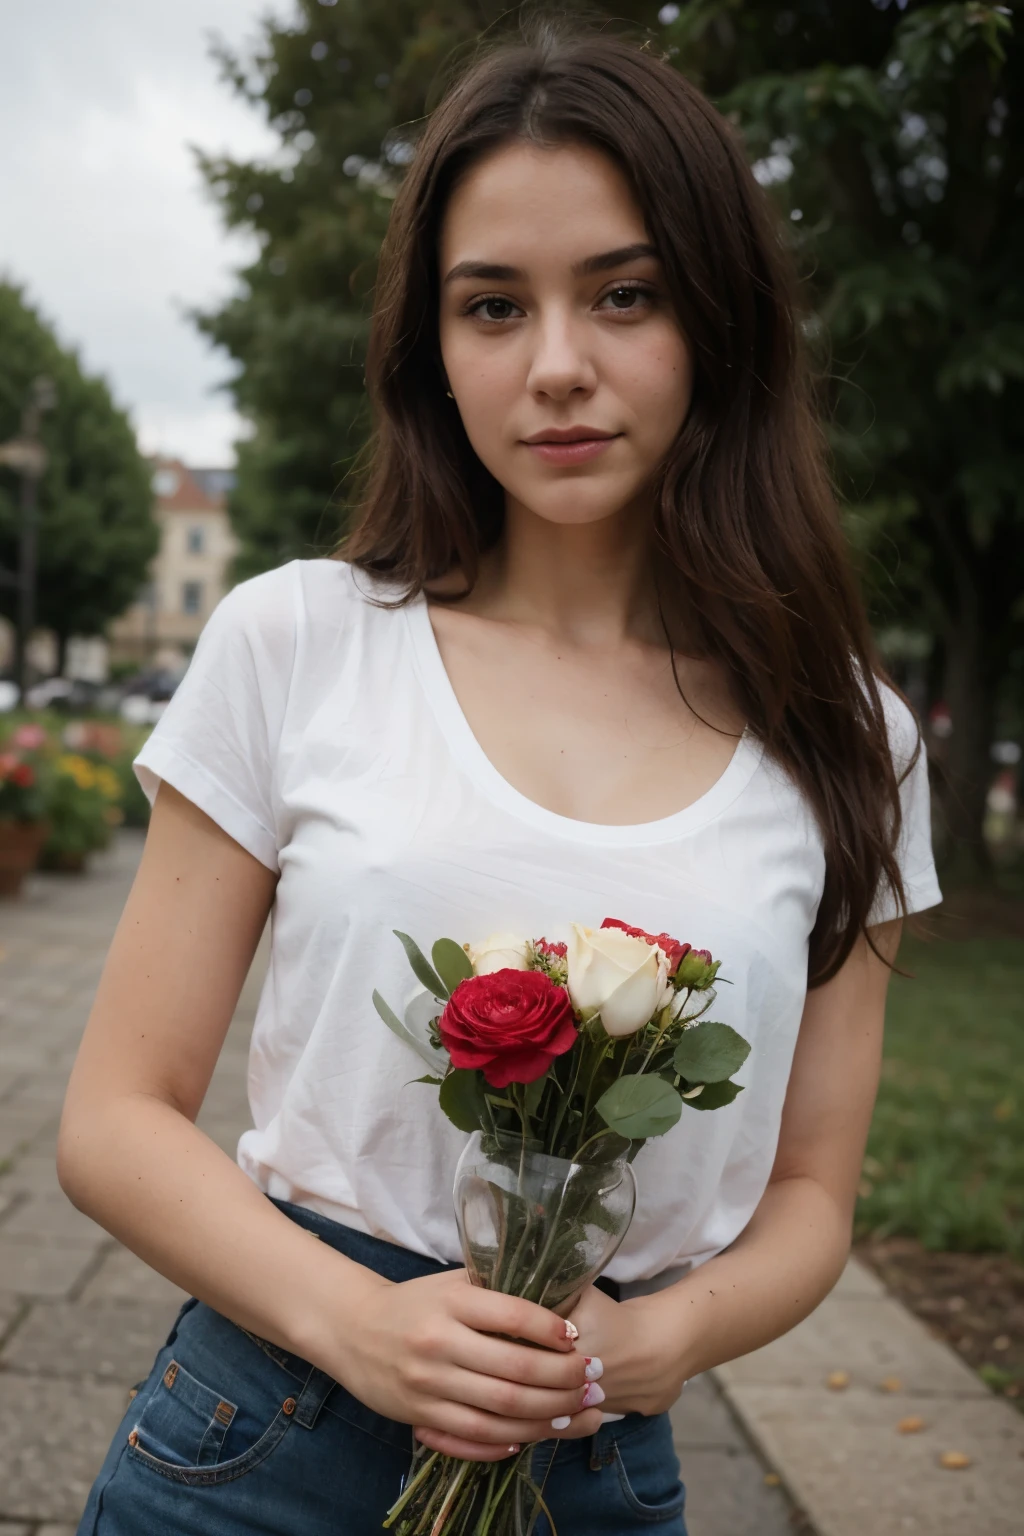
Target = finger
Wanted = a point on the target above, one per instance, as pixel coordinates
(511, 1400)
(491, 1312)
(474, 1424)
(463, 1450)
(490, 1356)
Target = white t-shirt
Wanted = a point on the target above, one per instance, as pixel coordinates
(322, 733)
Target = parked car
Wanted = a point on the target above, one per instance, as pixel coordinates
(71, 695)
(142, 699)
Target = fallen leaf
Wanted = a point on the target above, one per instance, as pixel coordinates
(954, 1461)
(911, 1426)
(772, 1479)
(837, 1381)
(890, 1384)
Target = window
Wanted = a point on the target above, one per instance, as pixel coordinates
(191, 596)
(194, 540)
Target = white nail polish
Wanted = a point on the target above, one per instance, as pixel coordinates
(595, 1369)
(571, 1331)
(562, 1423)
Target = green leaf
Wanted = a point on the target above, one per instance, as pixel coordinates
(640, 1106)
(421, 966)
(423, 1050)
(462, 1099)
(451, 963)
(534, 1094)
(710, 1052)
(716, 1096)
(435, 1082)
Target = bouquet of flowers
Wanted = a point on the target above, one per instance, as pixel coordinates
(559, 1060)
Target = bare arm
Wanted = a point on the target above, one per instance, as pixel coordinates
(793, 1250)
(131, 1157)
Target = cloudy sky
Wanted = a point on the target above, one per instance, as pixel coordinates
(103, 218)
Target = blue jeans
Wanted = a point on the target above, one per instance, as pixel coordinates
(231, 1436)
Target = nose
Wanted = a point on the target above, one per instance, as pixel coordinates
(561, 363)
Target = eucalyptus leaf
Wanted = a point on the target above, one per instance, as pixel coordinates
(423, 1049)
(422, 967)
(716, 1096)
(462, 1099)
(451, 963)
(710, 1052)
(640, 1106)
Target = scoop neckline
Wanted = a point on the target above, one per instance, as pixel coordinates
(471, 757)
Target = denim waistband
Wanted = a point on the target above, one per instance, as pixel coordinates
(386, 1259)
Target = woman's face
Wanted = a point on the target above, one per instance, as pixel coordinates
(561, 349)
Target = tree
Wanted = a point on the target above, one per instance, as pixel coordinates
(894, 138)
(97, 533)
(891, 135)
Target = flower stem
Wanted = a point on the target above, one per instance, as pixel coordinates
(410, 1489)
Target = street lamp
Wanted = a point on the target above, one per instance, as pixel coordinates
(25, 453)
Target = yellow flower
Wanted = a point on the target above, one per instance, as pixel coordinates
(77, 768)
(108, 783)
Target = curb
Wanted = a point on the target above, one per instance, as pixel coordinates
(840, 1450)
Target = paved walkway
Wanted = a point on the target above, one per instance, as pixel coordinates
(80, 1317)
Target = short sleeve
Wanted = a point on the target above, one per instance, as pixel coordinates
(216, 742)
(914, 850)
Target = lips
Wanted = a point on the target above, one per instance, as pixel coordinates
(569, 435)
(568, 446)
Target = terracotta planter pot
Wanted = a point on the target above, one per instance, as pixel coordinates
(20, 845)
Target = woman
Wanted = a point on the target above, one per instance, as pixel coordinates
(596, 650)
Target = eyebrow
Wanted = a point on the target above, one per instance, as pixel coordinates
(604, 261)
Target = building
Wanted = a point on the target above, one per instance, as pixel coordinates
(190, 572)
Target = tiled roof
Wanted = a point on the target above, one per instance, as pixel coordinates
(177, 490)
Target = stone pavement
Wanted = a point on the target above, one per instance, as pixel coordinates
(864, 1454)
(80, 1317)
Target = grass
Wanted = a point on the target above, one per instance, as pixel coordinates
(945, 1159)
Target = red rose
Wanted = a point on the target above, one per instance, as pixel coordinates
(511, 1024)
(673, 949)
(23, 776)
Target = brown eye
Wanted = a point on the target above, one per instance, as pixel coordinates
(628, 298)
(493, 309)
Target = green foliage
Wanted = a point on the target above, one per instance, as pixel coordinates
(422, 969)
(945, 1157)
(97, 534)
(716, 1095)
(639, 1106)
(462, 1099)
(710, 1052)
(451, 963)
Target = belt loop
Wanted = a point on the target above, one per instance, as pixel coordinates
(312, 1397)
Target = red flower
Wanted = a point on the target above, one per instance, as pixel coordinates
(546, 947)
(511, 1024)
(22, 775)
(672, 948)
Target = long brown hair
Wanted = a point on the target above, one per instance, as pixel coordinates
(744, 513)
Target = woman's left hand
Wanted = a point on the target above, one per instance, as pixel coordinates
(643, 1368)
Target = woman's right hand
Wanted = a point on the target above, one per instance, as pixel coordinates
(440, 1353)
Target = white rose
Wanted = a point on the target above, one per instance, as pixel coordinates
(500, 952)
(623, 979)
